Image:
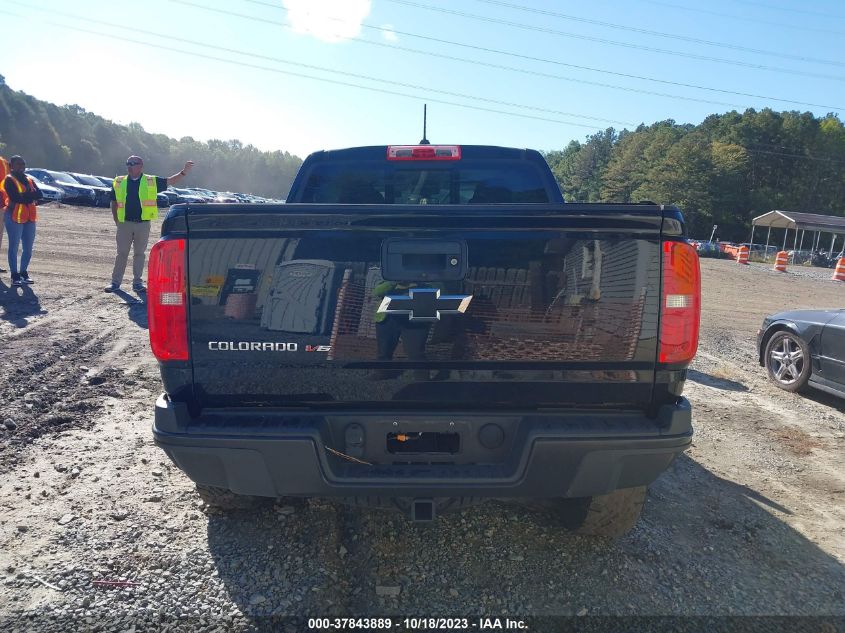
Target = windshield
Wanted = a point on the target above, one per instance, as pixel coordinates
(88, 180)
(370, 182)
(61, 176)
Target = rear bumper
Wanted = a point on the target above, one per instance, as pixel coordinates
(580, 453)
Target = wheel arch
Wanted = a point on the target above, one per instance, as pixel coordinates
(773, 329)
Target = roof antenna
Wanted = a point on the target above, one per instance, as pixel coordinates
(424, 140)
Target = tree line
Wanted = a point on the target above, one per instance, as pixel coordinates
(725, 171)
(68, 138)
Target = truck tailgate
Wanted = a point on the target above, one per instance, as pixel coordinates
(446, 307)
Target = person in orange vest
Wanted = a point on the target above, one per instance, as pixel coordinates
(19, 218)
(133, 205)
(4, 170)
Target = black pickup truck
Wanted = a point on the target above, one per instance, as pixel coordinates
(422, 327)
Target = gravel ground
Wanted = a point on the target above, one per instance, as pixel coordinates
(98, 531)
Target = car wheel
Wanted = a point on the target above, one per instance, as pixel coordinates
(788, 361)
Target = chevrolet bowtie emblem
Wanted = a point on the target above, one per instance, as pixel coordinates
(424, 304)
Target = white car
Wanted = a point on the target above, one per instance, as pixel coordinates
(48, 192)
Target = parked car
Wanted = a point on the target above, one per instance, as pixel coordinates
(205, 194)
(825, 259)
(103, 198)
(182, 196)
(226, 197)
(804, 347)
(820, 258)
(49, 193)
(172, 196)
(797, 258)
(106, 181)
(179, 196)
(75, 192)
(188, 196)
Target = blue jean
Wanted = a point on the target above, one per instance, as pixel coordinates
(19, 234)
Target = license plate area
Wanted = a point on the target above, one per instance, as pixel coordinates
(423, 442)
(451, 438)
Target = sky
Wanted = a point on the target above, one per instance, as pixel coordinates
(305, 75)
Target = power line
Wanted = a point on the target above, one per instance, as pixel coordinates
(683, 38)
(791, 9)
(790, 153)
(348, 84)
(487, 64)
(541, 29)
(301, 75)
(743, 18)
(343, 72)
(529, 58)
(801, 156)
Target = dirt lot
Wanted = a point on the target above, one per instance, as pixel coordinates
(751, 521)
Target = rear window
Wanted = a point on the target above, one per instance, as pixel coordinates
(88, 180)
(374, 182)
(60, 176)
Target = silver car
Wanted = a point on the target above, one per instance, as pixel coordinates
(48, 192)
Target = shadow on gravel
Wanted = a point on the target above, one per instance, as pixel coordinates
(136, 307)
(18, 303)
(138, 315)
(705, 546)
(715, 382)
(822, 397)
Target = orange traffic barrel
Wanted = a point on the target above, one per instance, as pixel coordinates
(780, 261)
(742, 255)
(839, 273)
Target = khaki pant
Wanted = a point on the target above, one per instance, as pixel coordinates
(135, 235)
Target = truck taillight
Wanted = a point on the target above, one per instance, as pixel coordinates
(680, 305)
(423, 152)
(167, 311)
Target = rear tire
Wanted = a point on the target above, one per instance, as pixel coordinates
(227, 501)
(612, 515)
(615, 514)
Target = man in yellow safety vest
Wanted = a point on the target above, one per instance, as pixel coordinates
(133, 206)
